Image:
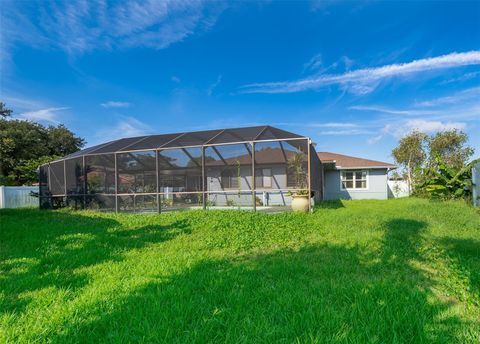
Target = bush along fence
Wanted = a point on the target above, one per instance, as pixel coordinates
(442, 181)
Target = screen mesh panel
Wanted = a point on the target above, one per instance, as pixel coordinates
(237, 135)
(273, 198)
(118, 145)
(75, 176)
(270, 166)
(152, 142)
(169, 171)
(196, 138)
(137, 172)
(100, 171)
(228, 168)
(281, 165)
(86, 150)
(297, 165)
(316, 175)
(137, 203)
(180, 170)
(75, 201)
(193, 138)
(171, 201)
(230, 200)
(57, 178)
(44, 190)
(100, 202)
(45, 202)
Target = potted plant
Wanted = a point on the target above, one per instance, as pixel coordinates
(301, 196)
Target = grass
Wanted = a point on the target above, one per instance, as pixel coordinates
(397, 271)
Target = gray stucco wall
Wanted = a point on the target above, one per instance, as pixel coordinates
(269, 196)
(376, 181)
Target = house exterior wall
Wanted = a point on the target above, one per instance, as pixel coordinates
(376, 186)
(267, 196)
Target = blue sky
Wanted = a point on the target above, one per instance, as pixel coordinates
(354, 76)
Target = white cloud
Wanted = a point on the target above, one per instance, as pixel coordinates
(470, 94)
(405, 112)
(347, 62)
(125, 127)
(175, 79)
(212, 87)
(49, 115)
(22, 104)
(362, 81)
(432, 126)
(333, 125)
(463, 105)
(460, 110)
(81, 26)
(338, 125)
(347, 132)
(115, 104)
(429, 127)
(464, 77)
(401, 128)
(314, 64)
(374, 139)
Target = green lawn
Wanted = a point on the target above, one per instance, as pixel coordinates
(397, 271)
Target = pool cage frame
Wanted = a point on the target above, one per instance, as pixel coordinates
(55, 176)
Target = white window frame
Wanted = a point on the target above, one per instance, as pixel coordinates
(342, 178)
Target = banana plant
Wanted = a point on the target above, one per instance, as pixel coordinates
(443, 181)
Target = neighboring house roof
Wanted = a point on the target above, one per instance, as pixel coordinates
(345, 161)
(267, 155)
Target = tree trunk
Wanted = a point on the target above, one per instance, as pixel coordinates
(409, 177)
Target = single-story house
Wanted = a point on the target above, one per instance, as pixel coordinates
(348, 177)
(243, 167)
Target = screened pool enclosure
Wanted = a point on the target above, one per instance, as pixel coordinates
(255, 168)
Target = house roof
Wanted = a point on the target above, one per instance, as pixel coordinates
(345, 161)
(267, 155)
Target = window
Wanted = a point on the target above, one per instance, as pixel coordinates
(229, 179)
(263, 178)
(354, 179)
(296, 181)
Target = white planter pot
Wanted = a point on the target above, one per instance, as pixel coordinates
(300, 203)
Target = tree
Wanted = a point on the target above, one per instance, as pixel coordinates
(410, 154)
(24, 145)
(449, 147)
(20, 141)
(26, 171)
(4, 112)
(61, 141)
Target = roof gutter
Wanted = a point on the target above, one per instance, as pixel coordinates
(364, 167)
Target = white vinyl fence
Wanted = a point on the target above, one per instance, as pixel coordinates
(17, 196)
(476, 185)
(397, 188)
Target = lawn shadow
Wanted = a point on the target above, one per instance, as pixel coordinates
(51, 254)
(466, 253)
(318, 293)
(334, 204)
